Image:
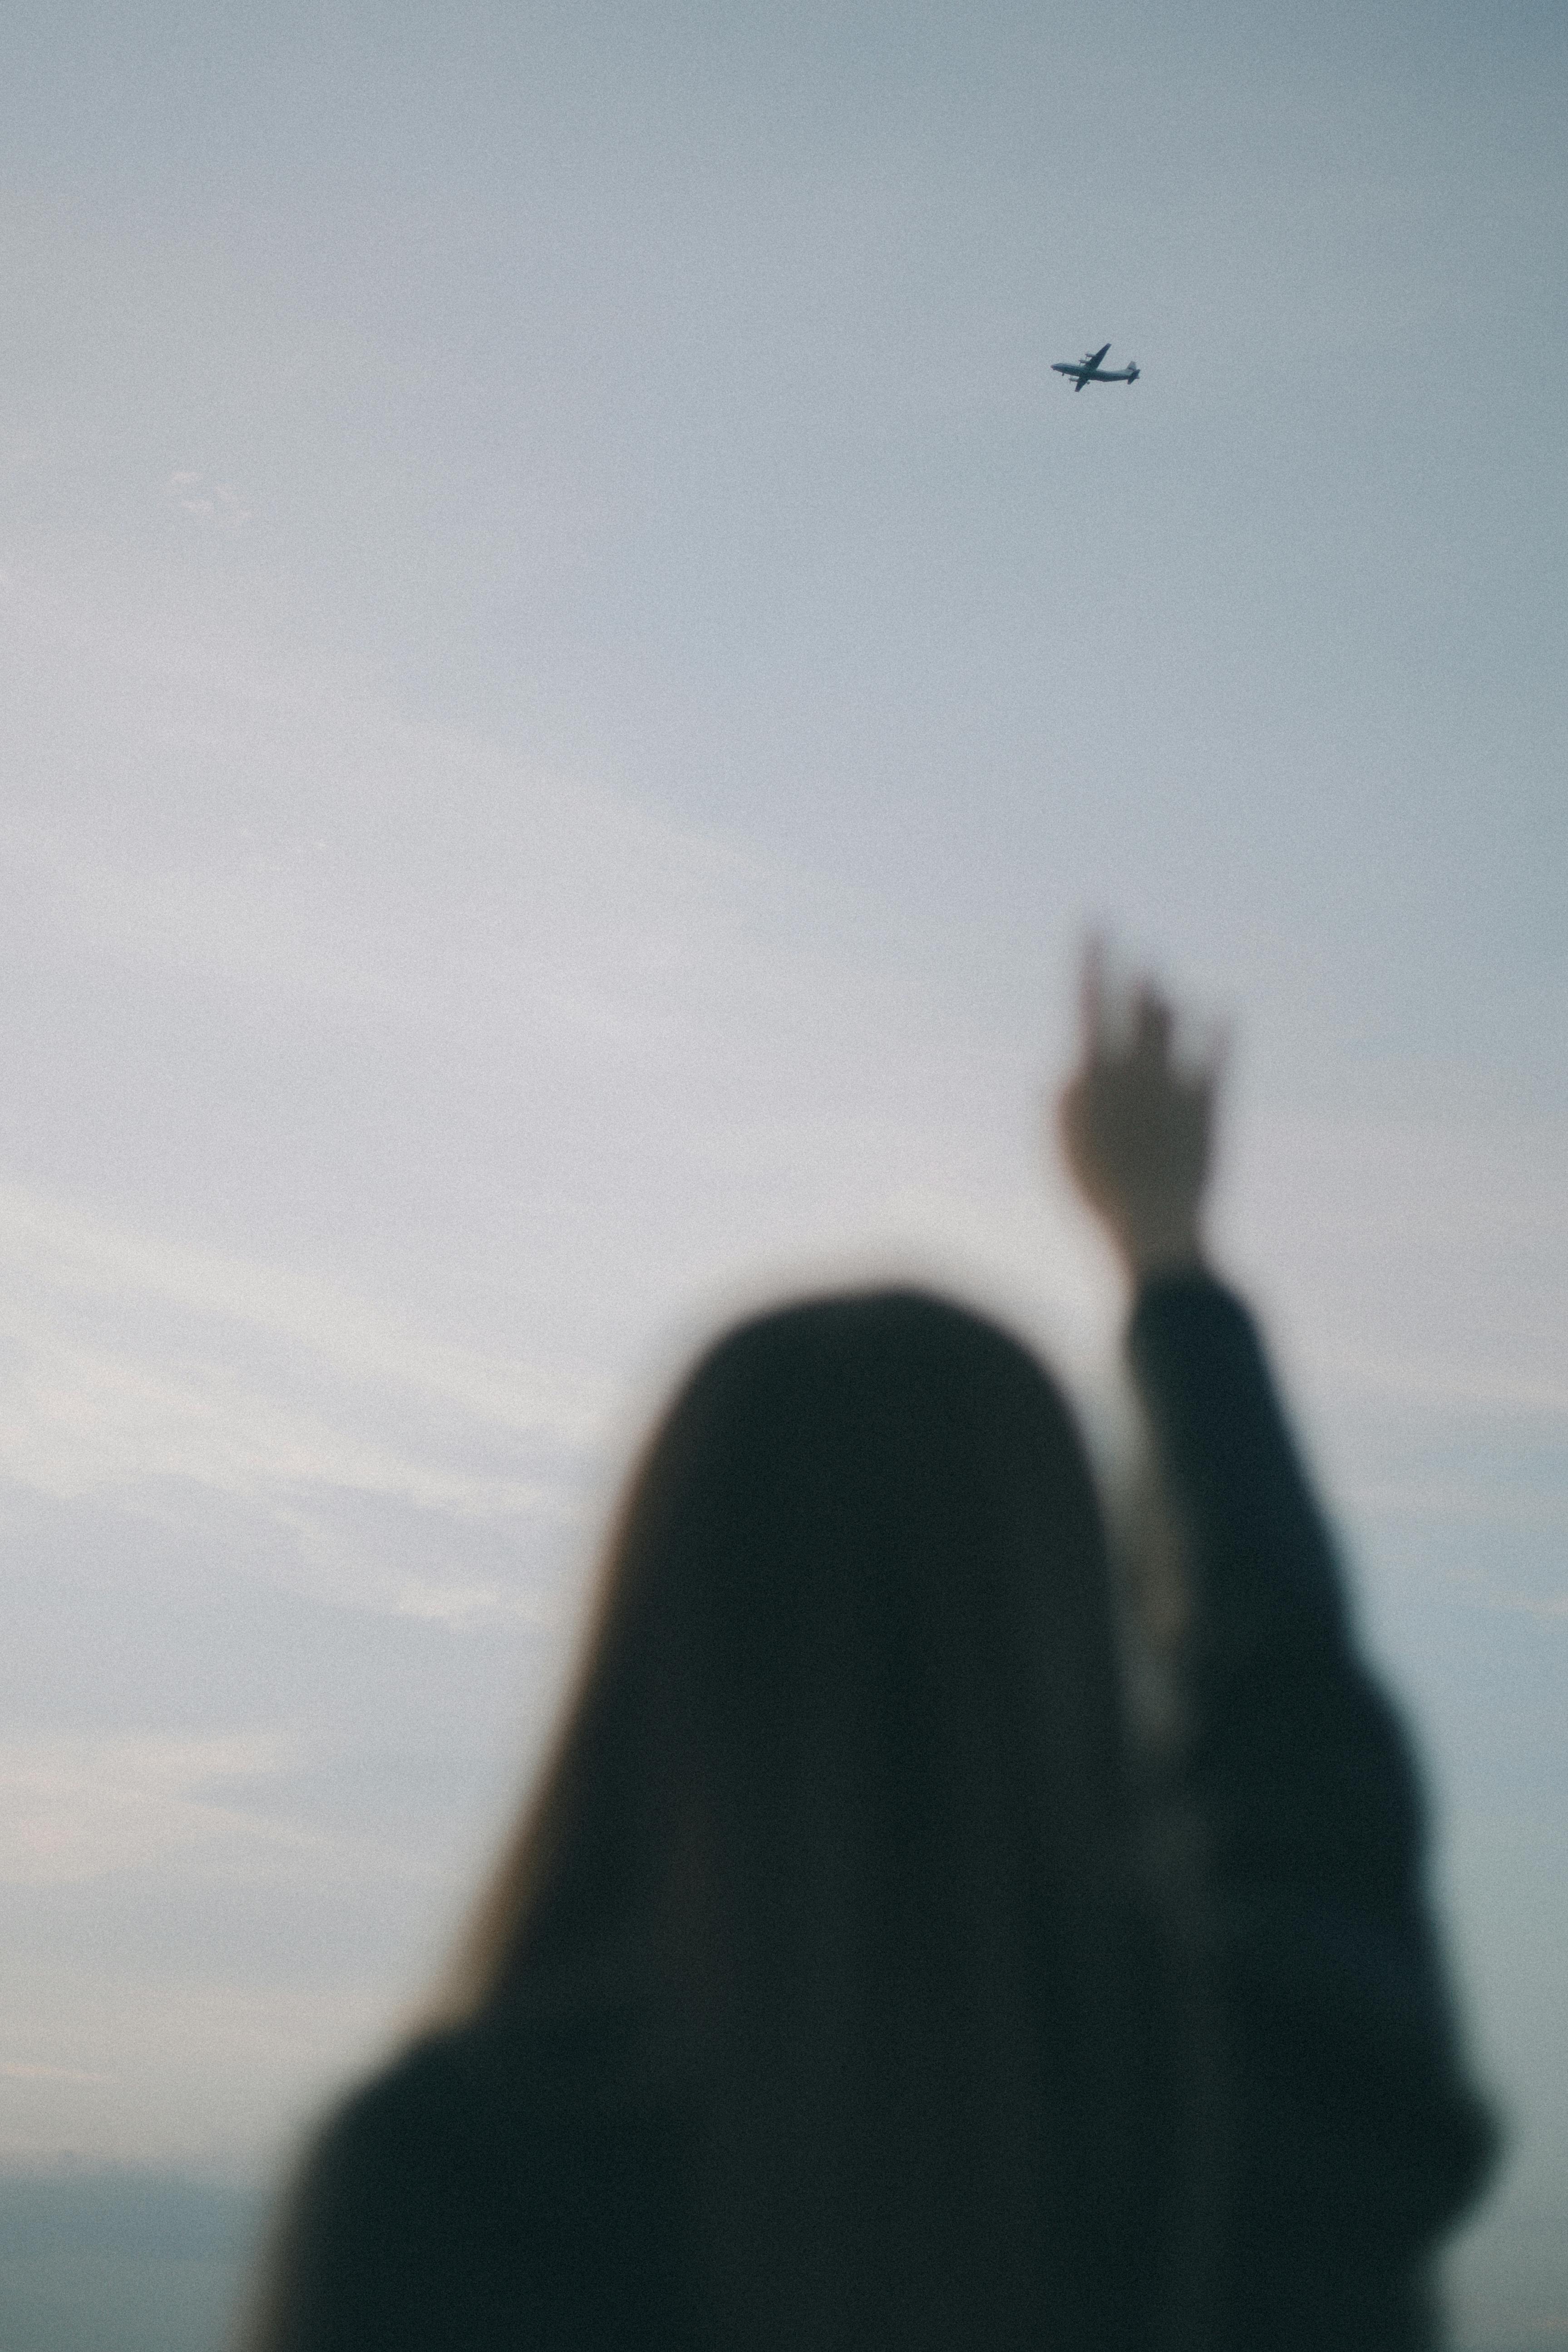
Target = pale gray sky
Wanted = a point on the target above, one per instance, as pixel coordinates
(571, 682)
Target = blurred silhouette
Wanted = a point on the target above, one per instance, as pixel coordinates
(856, 1976)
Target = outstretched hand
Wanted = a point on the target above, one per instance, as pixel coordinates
(1137, 1128)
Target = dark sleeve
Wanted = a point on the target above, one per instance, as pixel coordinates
(1356, 2137)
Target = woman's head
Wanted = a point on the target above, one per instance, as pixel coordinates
(842, 1785)
(856, 1587)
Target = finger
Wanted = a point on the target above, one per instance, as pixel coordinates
(1205, 1059)
(1152, 1026)
(1091, 994)
(1062, 1131)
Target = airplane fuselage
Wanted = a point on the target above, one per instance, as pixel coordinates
(1088, 369)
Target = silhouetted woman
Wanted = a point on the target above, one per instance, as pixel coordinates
(850, 1982)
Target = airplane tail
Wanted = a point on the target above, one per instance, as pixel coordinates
(1134, 370)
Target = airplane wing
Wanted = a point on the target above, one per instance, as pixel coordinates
(1082, 372)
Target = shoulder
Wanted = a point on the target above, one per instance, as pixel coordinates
(355, 2220)
(371, 2220)
(399, 2124)
(463, 2193)
(469, 2113)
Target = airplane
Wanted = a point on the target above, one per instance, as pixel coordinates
(1088, 371)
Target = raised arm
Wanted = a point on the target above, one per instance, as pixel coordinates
(1355, 2137)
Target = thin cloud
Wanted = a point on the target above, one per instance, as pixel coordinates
(1490, 1389)
(1551, 1608)
(76, 1807)
(69, 1251)
(211, 503)
(1460, 1504)
(33, 2074)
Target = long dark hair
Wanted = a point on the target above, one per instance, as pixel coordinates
(844, 1788)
